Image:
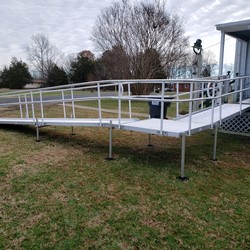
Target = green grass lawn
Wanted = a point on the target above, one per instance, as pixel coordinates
(5, 90)
(61, 192)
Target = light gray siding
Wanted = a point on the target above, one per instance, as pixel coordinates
(240, 58)
(242, 62)
(248, 59)
(247, 83)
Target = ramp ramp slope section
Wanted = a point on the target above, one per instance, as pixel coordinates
(199, 121)
(77, 122)
(224, 112)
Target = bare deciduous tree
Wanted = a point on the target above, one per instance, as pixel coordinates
(143, 31)
(209, 63)
(42, 54)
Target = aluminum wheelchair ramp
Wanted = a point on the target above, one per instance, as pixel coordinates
(29, 107)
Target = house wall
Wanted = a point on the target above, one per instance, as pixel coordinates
(248, 59)
(242, 62)
(247, 83)
(240, 58)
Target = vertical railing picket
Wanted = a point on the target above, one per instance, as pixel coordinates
(26, 106)
(162, 106)
(32, 107)
(129, 102)
(241, 94)
(190, 108)
(41, 106)
(177, 98)
(64, 107)
(213, 102)
(20, 106)
(99, 103)
(73, 103)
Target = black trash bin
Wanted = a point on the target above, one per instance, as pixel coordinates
(155, 108)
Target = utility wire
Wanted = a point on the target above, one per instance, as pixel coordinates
(217, 43)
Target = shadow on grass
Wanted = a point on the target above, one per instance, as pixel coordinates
(199, 148)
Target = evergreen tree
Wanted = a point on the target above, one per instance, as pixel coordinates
(57, 76)
(16, 76)
(81, 68)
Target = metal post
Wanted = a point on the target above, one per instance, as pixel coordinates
(196, 86)
(149, 140)
(197, 48)
(199, 70)
(129, 102)
(177, 98)
(32, 106)
(99, 103)
(26, 106)
(41, 106)
(215, 142)
(20, 106)
(190, 108)
(37, 131)
(73, 104)
(220, 101)
(182, 177)
(202, 95)
(183, 147)
(212, 110)
(162, 106)
(222, 44)
(110, 141)
(120, 93)
(149, 137)
(241, 87)
(64, 108)
(72, 128)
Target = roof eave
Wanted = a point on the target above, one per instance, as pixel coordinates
(234, 26)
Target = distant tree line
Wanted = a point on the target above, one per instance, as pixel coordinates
(139, 41)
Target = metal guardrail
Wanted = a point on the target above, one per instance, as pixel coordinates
(201, 91)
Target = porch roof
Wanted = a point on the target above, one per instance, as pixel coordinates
(240, 29)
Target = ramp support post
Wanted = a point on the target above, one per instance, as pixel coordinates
(72, 130)
(110, 140)
(149, 140)
(215, 142)
(72, 127)
(37, 131)
(182, 177)
(149, 137)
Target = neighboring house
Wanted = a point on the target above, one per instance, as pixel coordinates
(184, 87)
(35, 83)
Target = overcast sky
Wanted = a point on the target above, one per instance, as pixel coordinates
(68, 23)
